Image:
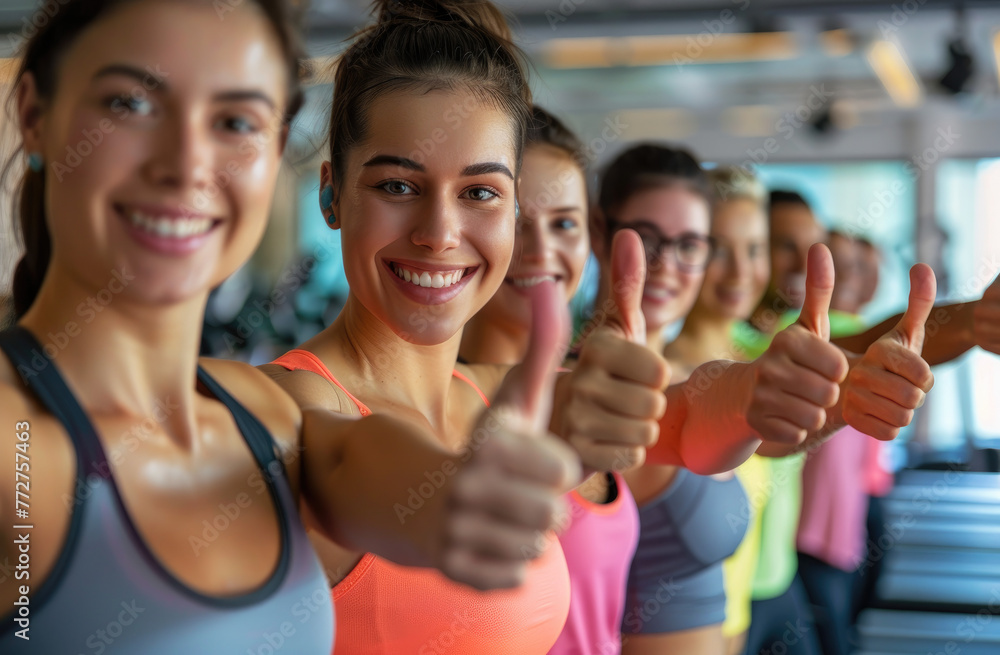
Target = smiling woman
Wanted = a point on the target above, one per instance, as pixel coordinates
(122, 129)
(428, 122)
(118, 100)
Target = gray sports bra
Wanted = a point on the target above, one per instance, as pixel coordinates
(688, 527)
(108, 593)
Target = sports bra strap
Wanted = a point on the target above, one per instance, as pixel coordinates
(304, 360)
(260, 441)
(39, 374)
(472, 384)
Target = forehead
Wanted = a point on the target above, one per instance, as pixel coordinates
(190, 45)
(673, 208)
(844, 244)
(739, 218)
(548, 170)
(792, 219)
(442, 130)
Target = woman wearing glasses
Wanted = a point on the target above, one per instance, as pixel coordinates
(675, 600)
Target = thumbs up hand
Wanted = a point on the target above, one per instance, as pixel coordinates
(798, 379)
(986, 319)
(628, 275)
(609, 406)
(892, 379)
(508, 494)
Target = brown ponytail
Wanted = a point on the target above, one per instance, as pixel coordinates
(31, 269)
(58, 25)
(424, 45)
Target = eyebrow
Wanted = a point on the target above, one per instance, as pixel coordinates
(484, 168)
(248, 95)
(130, 71)
(392, 160)
(641, 222)
(146, 77)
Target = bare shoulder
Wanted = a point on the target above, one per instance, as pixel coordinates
(310, 390)
(36, 482)
(259, 394)
(16, 402)
(488, 377)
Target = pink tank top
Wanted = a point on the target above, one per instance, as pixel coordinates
(599, 544)
(832, 525)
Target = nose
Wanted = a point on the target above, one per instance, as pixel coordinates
(801, 259)
(531, 245)
(438, 228)
(663, 262)
(739, 265)
(183, 157)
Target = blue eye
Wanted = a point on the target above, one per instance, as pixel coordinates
(130, 104)
(563, 224)
(238, 124)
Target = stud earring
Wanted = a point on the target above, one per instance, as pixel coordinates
(326, 197)
(35, 162)
(326, 202)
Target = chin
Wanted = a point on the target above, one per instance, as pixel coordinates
(426, 330)
(658, 320)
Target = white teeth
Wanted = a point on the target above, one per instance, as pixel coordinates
(657, 293)
(427, 279)
(525, 282)
(171, 228)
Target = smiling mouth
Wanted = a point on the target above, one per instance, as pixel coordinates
(168, 227)
(427, 279)
(658, 293)
(535, 280)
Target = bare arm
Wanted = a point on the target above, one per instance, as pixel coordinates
(949, 333)
(366, 499)
(705, 426)
(389, 486)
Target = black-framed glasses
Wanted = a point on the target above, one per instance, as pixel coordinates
(691, 251)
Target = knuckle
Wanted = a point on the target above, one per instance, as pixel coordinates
(818, 420)
(628, 457)
(653, 404)
(829, 394)
(663, 373)
(912, 398)
(650, 434)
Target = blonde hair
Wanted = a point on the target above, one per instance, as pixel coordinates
(729, 183)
